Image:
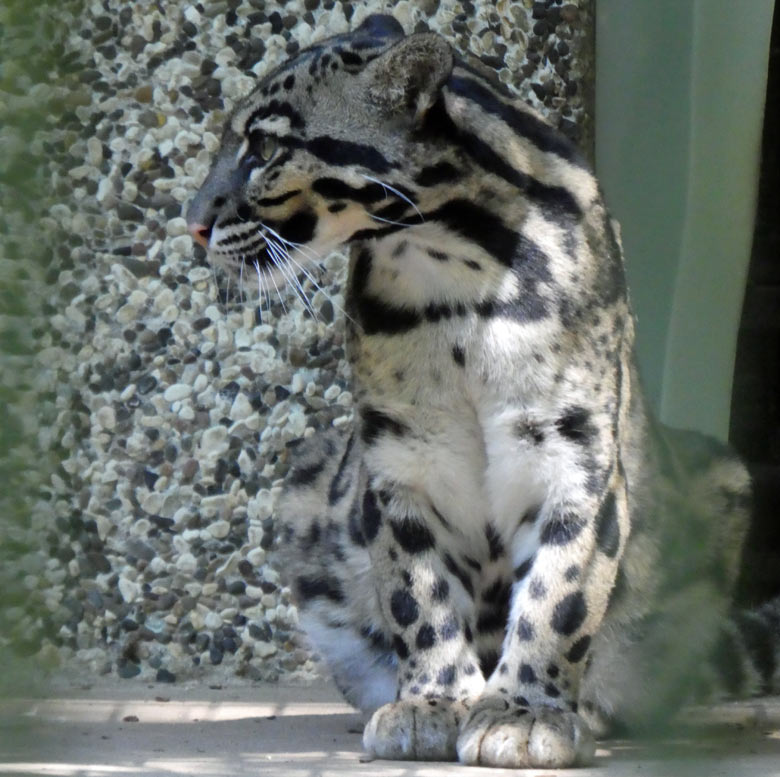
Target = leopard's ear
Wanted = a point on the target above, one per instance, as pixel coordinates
(405, 80)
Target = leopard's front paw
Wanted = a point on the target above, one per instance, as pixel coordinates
(499, 733)
(413, 730)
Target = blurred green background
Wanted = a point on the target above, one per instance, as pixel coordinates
(37, 83)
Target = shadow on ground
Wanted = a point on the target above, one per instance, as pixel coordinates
(115, 729)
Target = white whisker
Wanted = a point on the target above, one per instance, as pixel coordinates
(292, 281)
(387, 187)
(227, 289)
(241, 279)
(278, 293)
(307, 252)
(281, 259)
(279, 253)
(267, 287)
(389, 221)
(259, 290)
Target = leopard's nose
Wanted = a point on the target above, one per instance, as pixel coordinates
(200, 233)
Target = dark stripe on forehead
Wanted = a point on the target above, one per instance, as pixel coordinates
(544, 137)
(344, 152)
(273, 109)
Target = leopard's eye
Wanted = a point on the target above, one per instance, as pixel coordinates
(268, 147)
(261, 147)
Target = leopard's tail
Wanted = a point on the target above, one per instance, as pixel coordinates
(746, 656)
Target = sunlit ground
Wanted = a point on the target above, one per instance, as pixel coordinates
(129, 728)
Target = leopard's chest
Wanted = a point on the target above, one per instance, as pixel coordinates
(443, 413)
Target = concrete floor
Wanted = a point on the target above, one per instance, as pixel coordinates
(117, 728)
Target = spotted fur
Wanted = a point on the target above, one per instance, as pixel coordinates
(507, 552)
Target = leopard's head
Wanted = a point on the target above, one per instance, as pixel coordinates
(325, 150)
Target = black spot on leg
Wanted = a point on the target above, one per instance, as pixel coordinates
(404, 607)
(337, 207)
(575, 425)
(426, 637)
(447, 675)
(459, 355)
(400, 647)
(449, 629)
(439, 256)
(537, 589)
(526, 674)
(607, 529)
(372, 517)
(552, 691)
(413, 536)
(553, 671)
(569, 614)
(440, 591)
(525, 629)
(561, 529)
(578, 650)
(572, 573)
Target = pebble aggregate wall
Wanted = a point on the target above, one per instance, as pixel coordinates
(169, 396)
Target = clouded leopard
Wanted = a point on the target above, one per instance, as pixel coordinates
(507, 553)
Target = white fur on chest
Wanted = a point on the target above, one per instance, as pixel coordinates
(466, 452)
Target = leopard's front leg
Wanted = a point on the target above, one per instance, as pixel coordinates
(426, 607)
(527, 714)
